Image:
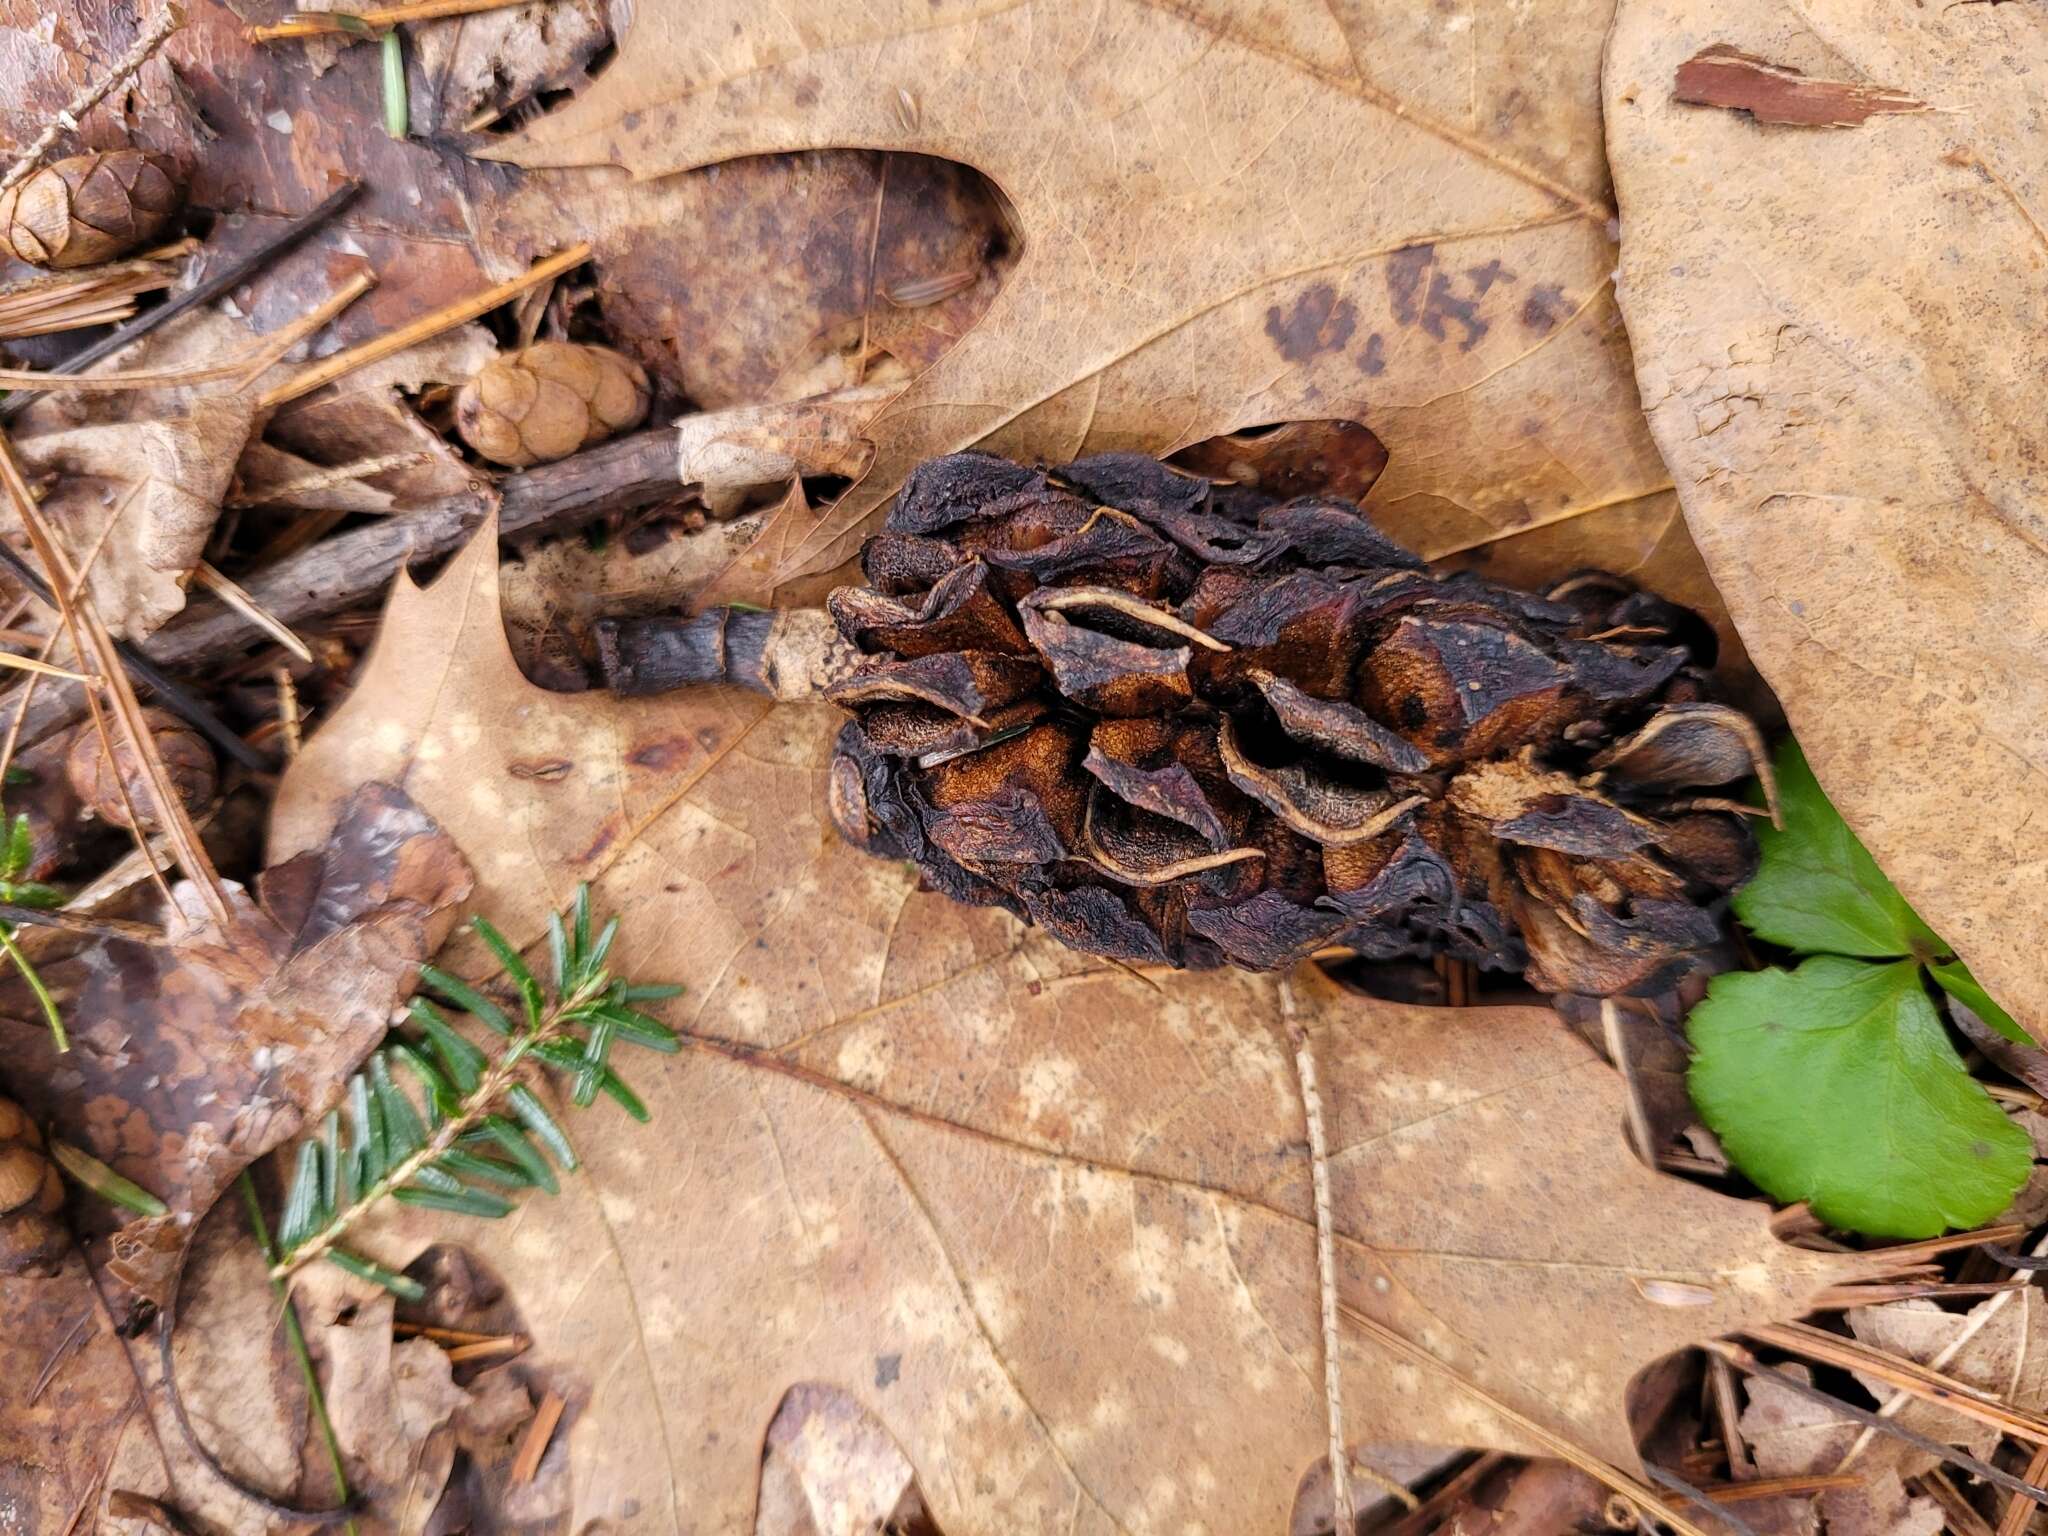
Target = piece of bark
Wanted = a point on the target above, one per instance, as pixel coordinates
(1725, 76)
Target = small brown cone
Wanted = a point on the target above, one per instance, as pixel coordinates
(87, 209)
(549, 400)
(31, 1194)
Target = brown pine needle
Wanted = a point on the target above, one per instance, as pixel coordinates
(410, 1330)
(538, 1434)
(41, 668)
(229, 592)
(1961, 1514)
(1429, 1514)
(1772, 1487)
(325, 23)
(2019, 1513)
(501, 1348)
(64, 301)
(65, 586)
(1907, 1376)
(428, 326)
(243, 367)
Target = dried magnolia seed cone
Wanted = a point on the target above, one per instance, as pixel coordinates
(87, 209)
(32, 1238)
(188, 762)
(549, 400)
(1173, 721)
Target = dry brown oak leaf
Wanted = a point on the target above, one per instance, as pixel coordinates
(1230, 216)
(1050, 1220)
(1847, 388)
(192, 1058)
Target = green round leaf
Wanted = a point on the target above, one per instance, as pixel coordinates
(1817, 889)
(1836, 1084)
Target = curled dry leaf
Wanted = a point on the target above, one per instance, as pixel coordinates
(1049, 1219)
(138, 498)
(1847, 388)
(196, 1057)
(1185, 271)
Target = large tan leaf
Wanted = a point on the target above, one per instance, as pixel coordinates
(1231, 214)
(1049, 1219)
(1841, 351)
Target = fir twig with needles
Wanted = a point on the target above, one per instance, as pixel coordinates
(480, 1121)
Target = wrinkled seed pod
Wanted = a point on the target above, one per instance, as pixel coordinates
(187, 759)
(31, 1194)
(87, 209)
(549, 400)
(1175, 721)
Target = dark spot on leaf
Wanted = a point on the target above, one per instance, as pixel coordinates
(606, 836)
(807, 92)
(659, 754)
(1318, 322)
(1404, 280)
(1372, 362)
(1543, 308)
(1443, 305)
(1484, 277)
(887, 1369)
(1980, 1149)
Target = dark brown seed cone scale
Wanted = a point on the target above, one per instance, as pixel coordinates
(1171, 721)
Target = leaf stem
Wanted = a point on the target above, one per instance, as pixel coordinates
(296, 1337)
(34, 979)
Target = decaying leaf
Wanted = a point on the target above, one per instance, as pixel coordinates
(1996, 1345)
(770, 279)
(143, 496)
(391, 1401)
(828, 1468)
(197, 1056)
(69, 1391)
(1185, 272)
(1846, 386)
(1050, 1220)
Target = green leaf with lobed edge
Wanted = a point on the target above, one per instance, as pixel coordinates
(1958, 983)
(1837, 1084)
